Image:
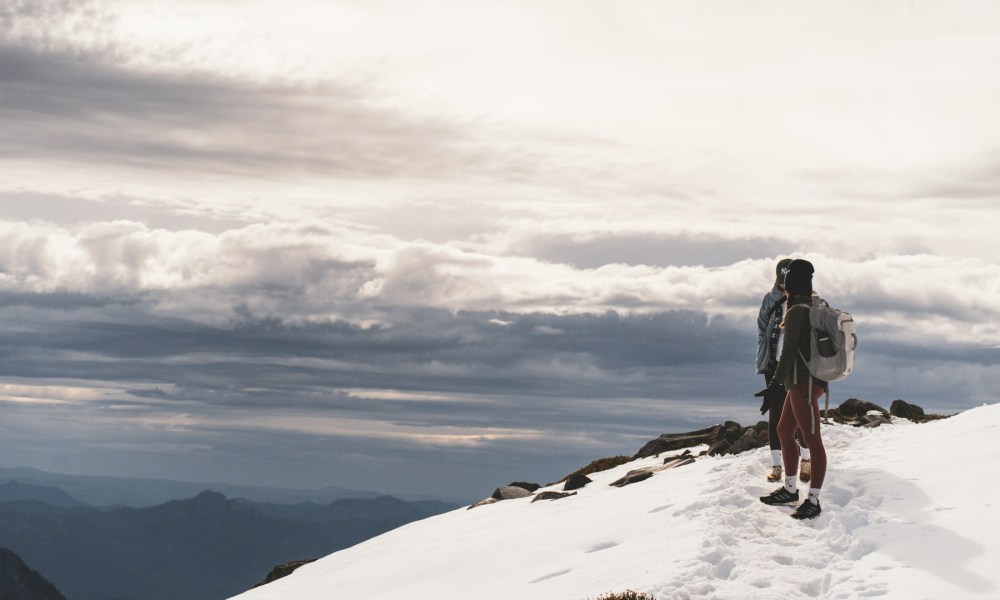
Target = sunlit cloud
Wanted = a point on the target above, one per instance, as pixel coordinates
(483, 227)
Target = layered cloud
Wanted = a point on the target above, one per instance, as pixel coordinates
(302, 273)
(334, 234)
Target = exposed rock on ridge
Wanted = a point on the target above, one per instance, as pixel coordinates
(726, 438)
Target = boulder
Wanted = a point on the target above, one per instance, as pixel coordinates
(483, 502)
(531, 487)
(732, 431)
(510, 492)
(853, 410)
(681, 456)
(550, 495)
(900, 408)
(718, 437)
(678, 462)
(576, 481)
(637, 475)
(677, 441)
(284, 570)
(749, 441)
(719, 447)
(872, 421)
(517, 489)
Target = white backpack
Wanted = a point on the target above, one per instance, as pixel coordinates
(832, 341)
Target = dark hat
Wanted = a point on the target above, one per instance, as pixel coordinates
(799, 278)
(779, 271)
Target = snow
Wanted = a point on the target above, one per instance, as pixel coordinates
(909, 511)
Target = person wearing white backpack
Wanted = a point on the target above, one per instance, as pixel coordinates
(769, 342)
(801, 409)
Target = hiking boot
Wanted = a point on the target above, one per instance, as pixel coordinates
(807, 510)
(805, 470)
(774, 475)
(780, 496)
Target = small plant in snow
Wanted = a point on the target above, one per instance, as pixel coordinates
(626, 595)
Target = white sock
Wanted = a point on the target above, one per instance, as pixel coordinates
(775, 458)
(804, 453)
(814, 495)
(791, 483)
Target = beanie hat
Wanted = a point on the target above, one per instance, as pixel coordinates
(798, 279)
(779, 271)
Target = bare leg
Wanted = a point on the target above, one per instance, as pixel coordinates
(786, 433)
(804, 418)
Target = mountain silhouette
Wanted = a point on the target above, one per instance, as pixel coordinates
(202, 548)
(19, 582)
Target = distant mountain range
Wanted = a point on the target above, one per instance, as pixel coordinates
(205, 547)
(136, 492)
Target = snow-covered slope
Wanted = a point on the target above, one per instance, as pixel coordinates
(910, 511)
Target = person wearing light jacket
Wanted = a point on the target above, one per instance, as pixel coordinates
(768, 344)
(801, 401)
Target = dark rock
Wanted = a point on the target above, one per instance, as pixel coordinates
(483, 502)
(900, 408)
(284, 570)
(732, 431)
(719, 447)
(19, 582)
(531, 487)
(678, 462)
(728, 438)
(551, 496)
(601, 464)
(676, 441)
(854, 409)
(737, 440)
(853, 412)
(682, 455)
(871, 421)
(576, 481)
(749, 441)
(637, 475)
(510, 492)
(507, 492)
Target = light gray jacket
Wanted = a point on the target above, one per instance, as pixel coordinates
(770, 312)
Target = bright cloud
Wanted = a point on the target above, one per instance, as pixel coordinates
(529, 208)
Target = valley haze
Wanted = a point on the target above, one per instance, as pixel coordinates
(430, 248)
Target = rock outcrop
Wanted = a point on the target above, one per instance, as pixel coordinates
(576, 481)
(637, 475)
(905, 410)
(517, 489)
(722, 439)
(550, 495)
(668, 442)
(284, 570)
(861, 413)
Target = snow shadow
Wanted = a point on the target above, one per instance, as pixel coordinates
(896, 517)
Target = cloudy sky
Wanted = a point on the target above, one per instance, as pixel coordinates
(432, 247)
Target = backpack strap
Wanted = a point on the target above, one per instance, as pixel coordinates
(809, 405)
